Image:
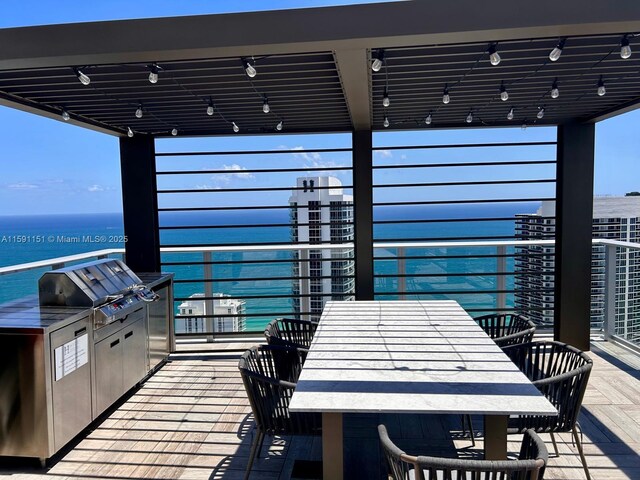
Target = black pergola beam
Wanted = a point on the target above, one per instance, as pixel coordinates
(574, 220)
(362, 143)
(391, 24)
(140, 203)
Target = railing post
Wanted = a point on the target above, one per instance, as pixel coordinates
(208, 293)
(609, 310)
(402, 271)
(501, 278)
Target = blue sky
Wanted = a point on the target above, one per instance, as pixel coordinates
(48, 166)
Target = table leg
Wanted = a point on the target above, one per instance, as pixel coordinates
(332, 449)
(495, 437)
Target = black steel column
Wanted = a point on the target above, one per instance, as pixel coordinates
(140, 203)
(363, 212)
(574, 218)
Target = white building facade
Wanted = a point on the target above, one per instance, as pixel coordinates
(616, 218)
(228, 314)
(320, 214)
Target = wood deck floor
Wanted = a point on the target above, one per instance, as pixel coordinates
(191, 420)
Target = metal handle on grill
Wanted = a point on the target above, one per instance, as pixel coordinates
(114, 343)
(127, 335)
(80, 332)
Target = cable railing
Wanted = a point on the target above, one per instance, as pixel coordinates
(615, 280)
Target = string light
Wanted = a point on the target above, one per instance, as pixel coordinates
(376, 63)
(510, 115)
(139, 112)
(236, 128)
(523, 126)
(129, 132)
(84, 78)
(446, 98)
(153, 74)
(65, 115)
(279, 126)
(386, 122)
(625, 48)
(174, 132)
(494, 56)
(504, 95)
(265, 106)
(557, 51)
(428, 120)
(540, 113)
(210, 109)
(385, 99)
(555, 91)
(601, 88)
(249, 69)
(469, 118)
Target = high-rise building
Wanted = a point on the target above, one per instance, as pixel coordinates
(228, 314)
(321, 213)
(616, 218)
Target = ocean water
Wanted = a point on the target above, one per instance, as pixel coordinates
(30, 238)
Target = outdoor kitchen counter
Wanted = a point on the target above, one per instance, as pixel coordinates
(25, 315)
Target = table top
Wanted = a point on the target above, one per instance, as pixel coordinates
(410, 357)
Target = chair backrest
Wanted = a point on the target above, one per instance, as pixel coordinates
(269, 373)
(507, 328)
(529, 466)
(290, 332)
(561, 372)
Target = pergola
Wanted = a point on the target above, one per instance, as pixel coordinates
(314, 71)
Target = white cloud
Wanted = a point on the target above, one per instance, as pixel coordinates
(22, 186)
(205, 186)
(235, 171)
(96, 188)
(383, 153)
(308, 156)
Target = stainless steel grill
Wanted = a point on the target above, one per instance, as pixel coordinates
(108, 286)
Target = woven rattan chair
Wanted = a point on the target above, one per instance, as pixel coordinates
(504, 330)
(561, 373)
(507, 329)
(529, 466)
(290, 332)
(269, 373)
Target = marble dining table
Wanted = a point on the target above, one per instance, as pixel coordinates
(409, 357)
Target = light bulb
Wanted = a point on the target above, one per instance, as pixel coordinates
(249, 69)
(540, 113)
(504, 95)
(555, 91)
(510, 114)
(524, 127)
(494, 56)
(279, 126)
(446, 98)
(386, 122)
(469, 118)
(139, 112)
(174, 132)
(153, 74)
(428, 120)
(556, 52)
(625, 49)
(601, 88)
(129, 132)
(236, 128)
(65, 115)
(376, 63)
(385, 100)
(210, 110)
(84, 79)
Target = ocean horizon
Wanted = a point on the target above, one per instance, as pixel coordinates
(28, 238)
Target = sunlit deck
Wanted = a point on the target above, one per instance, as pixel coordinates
(191, 420)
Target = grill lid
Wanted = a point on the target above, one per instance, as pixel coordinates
(86, 285)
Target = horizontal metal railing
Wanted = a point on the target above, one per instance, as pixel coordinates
(625, 331)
